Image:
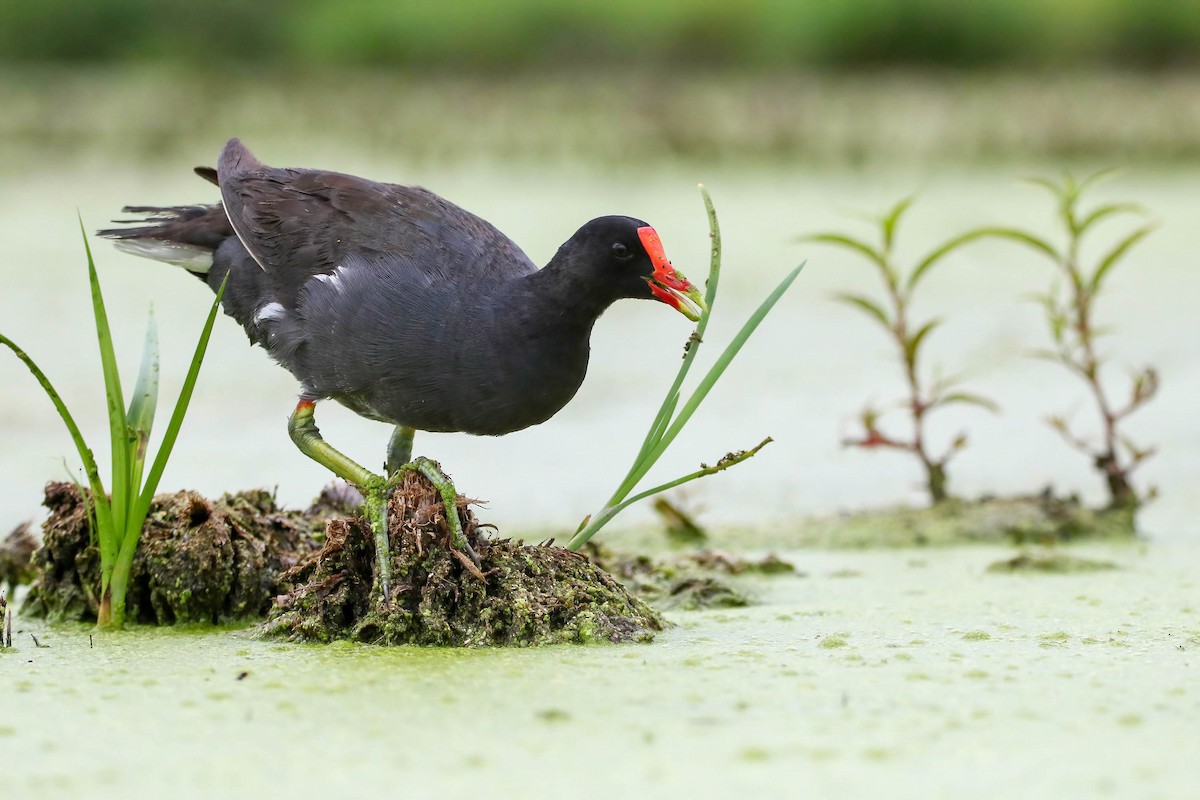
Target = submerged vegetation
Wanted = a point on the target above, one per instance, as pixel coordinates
(925, 394)
(116, 519)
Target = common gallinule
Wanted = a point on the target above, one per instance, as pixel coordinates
(402, 306)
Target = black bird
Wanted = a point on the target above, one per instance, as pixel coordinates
(400, 305)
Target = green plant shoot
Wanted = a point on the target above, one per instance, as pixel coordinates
(117, 516)
(667, 424)
(1069, 307)
(894, 315)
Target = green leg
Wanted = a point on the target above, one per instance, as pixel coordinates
(458, 540)
(302, 427)
(399, 449)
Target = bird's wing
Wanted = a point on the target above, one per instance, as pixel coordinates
(299, 224)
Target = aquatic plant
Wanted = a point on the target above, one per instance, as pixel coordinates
(667, 424)
(894, 315)
(116, 519)
(1070, 310)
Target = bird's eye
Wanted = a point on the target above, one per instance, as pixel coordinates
(621, 251)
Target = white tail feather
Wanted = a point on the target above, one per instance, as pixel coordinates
(190, 257)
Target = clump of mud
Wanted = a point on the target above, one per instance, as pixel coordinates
(519, 595)
(198, 560)
(16, 553)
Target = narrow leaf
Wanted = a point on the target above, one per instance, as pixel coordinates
(941, 252)
(667, 408)
(99, 495)
(892, 219)
(1012, 234)
(713, 375)
(1059, 191)
(867, 305)
(144, 402)
(1105, 211)
(1115, 254)
(969, 398)
(119, 435)
(1097, 177)
(723, 361)
(851, 243)
(181, 406)
(913, 345)
(591, 525)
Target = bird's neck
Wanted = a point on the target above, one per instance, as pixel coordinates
(556, 297)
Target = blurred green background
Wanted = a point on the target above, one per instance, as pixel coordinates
(848, 81)
(533, 34)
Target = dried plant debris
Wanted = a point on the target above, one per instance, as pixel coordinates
(16, 554)
(1033, 519)
(687, 581)
(1050, 561)
(519, 595)
(198, 560)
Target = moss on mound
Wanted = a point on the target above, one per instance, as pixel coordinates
(198, 560)
(520, 595)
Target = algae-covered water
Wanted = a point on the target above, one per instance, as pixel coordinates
(902, 674)
(905, 674)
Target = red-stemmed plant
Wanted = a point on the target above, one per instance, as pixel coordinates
(925, 392)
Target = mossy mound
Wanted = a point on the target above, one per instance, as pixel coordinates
(16, 557)
(1035, 519)
(198, 560)
(520, 595)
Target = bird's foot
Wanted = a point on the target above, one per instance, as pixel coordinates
(375, 507)
(458, 540)
(302, 427)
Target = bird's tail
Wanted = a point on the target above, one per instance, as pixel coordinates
(186, 236)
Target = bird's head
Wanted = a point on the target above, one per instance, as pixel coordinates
(624, 257)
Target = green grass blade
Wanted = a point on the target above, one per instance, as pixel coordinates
(715, 372)
(585, 533)
(143, 404)
(181, 406)
(118, 430)
(656, 429)
(103, 512)
(672, 398)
